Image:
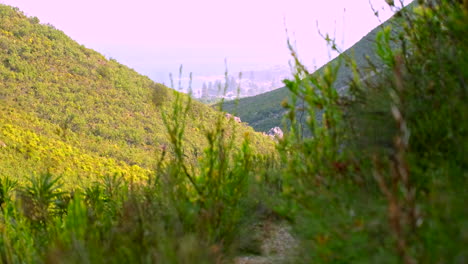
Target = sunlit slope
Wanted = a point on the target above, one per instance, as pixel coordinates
(68, 109)
(264, 111)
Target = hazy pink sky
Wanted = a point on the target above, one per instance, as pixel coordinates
(155, 37)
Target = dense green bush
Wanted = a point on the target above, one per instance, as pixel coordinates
(381, 176)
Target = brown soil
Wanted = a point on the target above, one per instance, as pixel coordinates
(277, 245)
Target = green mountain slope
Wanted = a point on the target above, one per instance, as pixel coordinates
(264, 111)
(69, 110)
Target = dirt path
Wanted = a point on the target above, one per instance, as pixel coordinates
(276, 247)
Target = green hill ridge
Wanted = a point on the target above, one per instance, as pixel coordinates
(67, 109)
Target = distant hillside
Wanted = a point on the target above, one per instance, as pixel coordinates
(69, 110)
(264, 111)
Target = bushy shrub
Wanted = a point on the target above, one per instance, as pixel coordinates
(368, 183)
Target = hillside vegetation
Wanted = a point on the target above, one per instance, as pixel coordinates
(69, 110)
(381, 179)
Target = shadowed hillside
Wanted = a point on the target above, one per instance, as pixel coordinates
(264, 111)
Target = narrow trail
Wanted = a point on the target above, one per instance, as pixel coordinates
(277, 244)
